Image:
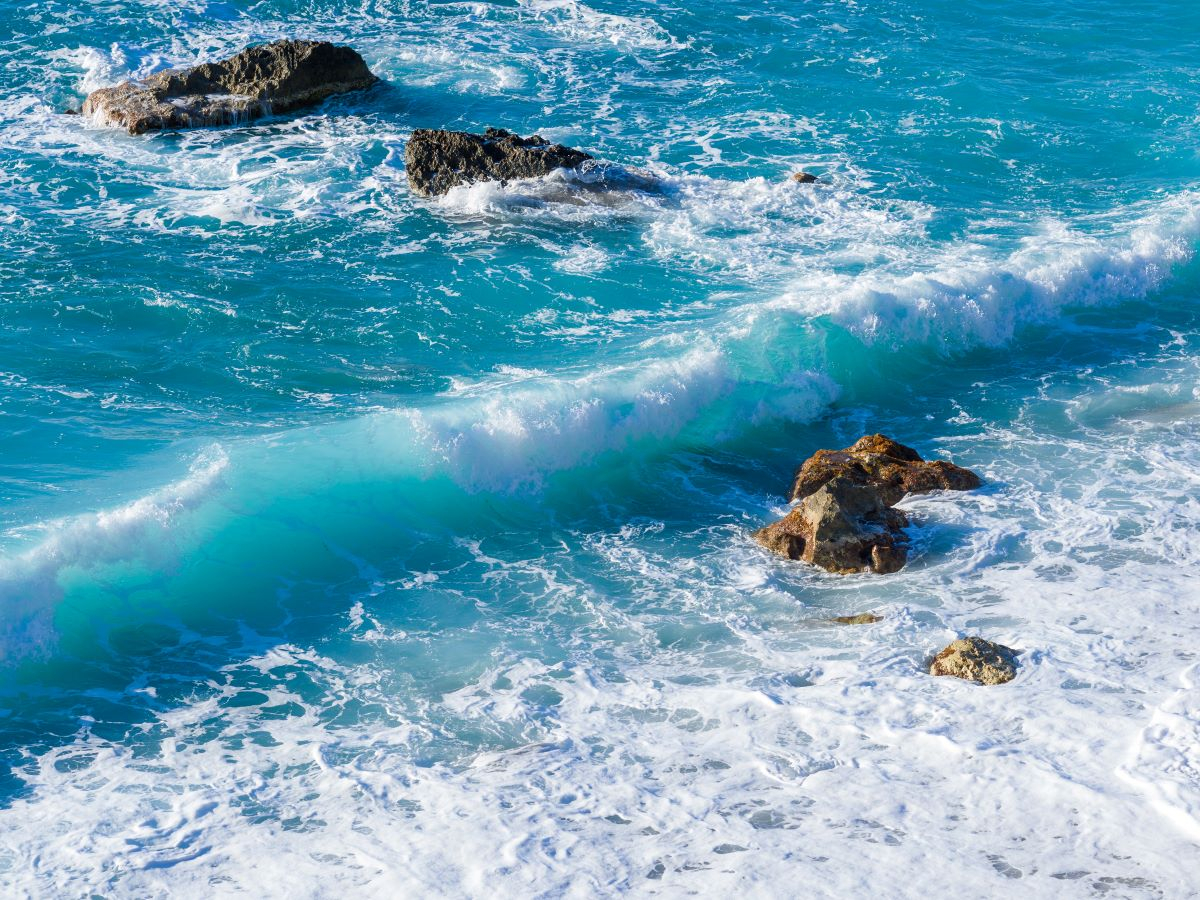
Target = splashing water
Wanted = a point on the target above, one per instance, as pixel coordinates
(352, 537)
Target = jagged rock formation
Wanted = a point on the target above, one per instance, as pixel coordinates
(880, 462)
(271, 78)
(436, 161)
(975, 659)
(845, 521)
(843, 527)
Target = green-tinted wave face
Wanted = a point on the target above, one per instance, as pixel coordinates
(347, 531)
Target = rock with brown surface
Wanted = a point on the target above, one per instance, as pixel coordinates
(975, 659)
(436, 161)
(845, 521)
(860, 619)
(844, 527)
(259, 81)
(879, 461)
(804, 177)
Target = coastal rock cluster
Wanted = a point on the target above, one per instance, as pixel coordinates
(259, 81)
(846, 521)
(290, 74)
(285, 75)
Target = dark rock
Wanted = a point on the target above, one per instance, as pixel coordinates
(436, 161)
(844, 526)
(975, 659)
(70, 111)
(259, 81)
(804, 177)
(879, 461)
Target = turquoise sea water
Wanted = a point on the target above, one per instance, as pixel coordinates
(350, 539)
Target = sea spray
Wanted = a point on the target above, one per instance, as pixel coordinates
(142, 530)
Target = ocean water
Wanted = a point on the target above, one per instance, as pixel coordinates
(357, 542)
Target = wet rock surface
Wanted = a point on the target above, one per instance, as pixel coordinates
(891, 467)
(842, 527)
(860, 619)
(976, 659)
(436, 161)
(845, 521)
(271, 78)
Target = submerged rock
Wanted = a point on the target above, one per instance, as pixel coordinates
(845, 521)
(843, 527)
(860, 619)
(271, 78)
(975, 659)
(879, 461)
(436, 161)
(804, 177)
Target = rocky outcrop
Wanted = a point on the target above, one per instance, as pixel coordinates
(272, 78)
(860, 619)
(844, 527)
(804, 177)
(975, 659)
(878, 461)
(845, 521)
(436, 161)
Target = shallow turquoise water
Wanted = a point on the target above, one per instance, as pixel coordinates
(346, 531)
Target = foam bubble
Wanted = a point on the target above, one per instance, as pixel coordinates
(1165, 762)
(578, 22)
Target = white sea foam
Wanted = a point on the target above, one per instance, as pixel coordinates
(1166, 761)
(99, 68)
(591, 193)
(430, 64)
(583, 259)
(967, 294)
(758, 230)
(866, 265)
(705, 732)
(722, 739)
(580, 23)
(502, 434)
